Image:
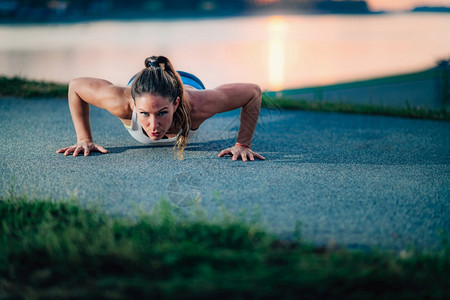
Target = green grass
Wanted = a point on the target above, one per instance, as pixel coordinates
(411, 112)
(59, 250)
(25, 88)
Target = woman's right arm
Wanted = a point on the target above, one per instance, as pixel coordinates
(84, 92)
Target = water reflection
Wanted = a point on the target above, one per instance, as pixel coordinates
(274, 52)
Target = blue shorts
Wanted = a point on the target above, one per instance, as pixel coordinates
(186, 78)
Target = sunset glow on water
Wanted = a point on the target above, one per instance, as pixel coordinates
(276, 52)
(277, 34)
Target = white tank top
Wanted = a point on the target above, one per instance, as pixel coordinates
(138, 134)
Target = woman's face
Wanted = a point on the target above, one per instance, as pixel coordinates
(155, 113)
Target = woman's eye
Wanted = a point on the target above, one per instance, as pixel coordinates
(144, 114)
(163, 113)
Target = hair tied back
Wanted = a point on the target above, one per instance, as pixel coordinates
(155, 64)
(168, 84)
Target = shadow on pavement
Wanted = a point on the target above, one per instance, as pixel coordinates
(199, 146)
(117, 150)
(216, 145)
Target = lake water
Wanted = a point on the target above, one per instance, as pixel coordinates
(276, 52)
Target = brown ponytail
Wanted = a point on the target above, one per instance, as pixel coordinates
(160, 78)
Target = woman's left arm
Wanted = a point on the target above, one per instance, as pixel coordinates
(232, 96)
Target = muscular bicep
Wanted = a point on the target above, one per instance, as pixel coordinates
(101, 93)
(231, 96)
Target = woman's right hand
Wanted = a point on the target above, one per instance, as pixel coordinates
(85, 146)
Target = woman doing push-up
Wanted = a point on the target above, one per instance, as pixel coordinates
(163, 107)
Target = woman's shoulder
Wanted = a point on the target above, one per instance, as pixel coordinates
(119, 103)
(226, 97)
(201, 99)
(200, 102)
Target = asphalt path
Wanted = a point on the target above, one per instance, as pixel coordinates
(354, 180)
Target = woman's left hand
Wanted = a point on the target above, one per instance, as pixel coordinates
(240, 152)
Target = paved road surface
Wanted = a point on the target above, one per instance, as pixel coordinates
(357, 180)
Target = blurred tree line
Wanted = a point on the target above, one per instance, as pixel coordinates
(73, 9)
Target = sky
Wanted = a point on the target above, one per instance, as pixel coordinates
(396, 5)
